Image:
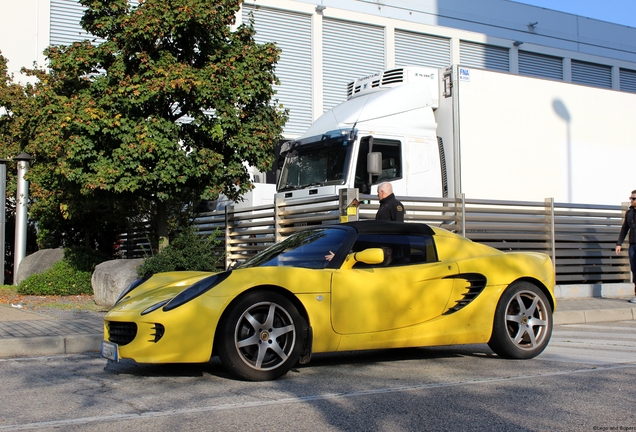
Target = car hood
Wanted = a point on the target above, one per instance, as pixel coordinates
(160, 287)
(165, 286)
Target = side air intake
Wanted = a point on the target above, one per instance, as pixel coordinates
(476, 284)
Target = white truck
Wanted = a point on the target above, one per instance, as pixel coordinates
(487, 134)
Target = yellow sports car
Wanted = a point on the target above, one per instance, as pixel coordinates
(354, 286)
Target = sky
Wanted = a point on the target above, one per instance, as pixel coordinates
(615, 11)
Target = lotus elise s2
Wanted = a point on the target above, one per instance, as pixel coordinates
(353, 286)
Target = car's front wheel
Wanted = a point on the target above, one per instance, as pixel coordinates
(261, 337)
(523, 322)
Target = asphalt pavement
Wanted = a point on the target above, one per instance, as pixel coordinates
(29, 333)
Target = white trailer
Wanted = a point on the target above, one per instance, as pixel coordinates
(487, 134)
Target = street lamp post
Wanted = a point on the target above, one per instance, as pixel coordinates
(22, 199)
(3, 209)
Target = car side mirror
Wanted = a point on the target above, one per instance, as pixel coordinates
(367, 256)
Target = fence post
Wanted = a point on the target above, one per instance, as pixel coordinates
(228, 209)
(463, 214)
(130, 242)
(348, 201)
(549, 203)
(278, 201)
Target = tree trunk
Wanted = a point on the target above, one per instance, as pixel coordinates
(162, 225)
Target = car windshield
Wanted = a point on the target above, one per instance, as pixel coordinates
(306, 249)
(316, 161)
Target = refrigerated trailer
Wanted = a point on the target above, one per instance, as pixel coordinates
(444, 132)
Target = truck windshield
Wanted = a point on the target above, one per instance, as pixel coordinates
(316, 161)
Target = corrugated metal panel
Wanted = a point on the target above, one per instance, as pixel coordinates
(628, 80)
(292, 34)
(540, 65)
(65, 22)
(591, 74)
(421, 50)
(350, 51)
(484, 56)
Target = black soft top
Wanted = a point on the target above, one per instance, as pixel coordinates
(389, 227)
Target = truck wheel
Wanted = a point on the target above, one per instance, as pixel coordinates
(261, 337)
(523, 322)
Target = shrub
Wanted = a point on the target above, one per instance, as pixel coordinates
(60, 279)
(84, 259)
(187, 251)
(71, 276)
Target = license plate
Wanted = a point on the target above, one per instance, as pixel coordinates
(110, 351)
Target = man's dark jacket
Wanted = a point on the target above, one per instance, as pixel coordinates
(628, 224)
(390, 209)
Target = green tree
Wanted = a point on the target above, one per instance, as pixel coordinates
(168, 110)
(16, 113)
(16, 128)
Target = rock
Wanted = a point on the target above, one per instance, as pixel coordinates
(111, 277)
(38, 263)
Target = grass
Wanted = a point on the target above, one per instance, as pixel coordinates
(9, 296)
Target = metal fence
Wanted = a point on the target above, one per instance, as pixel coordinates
(579, 238)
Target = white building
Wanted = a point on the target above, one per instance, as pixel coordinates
(327, 43)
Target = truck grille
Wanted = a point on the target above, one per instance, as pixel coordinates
(121, 333)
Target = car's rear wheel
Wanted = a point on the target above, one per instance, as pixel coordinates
(523, 322)
(261, 337)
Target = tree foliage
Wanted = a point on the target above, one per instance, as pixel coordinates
(16, 120)
(167, 110)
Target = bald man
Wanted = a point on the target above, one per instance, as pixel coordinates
(390, 207)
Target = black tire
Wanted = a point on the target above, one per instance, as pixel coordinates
(523, 322)
(261, 337)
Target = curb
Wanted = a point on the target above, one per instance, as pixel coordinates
(594, 316)
(586, 291)
(50, 345)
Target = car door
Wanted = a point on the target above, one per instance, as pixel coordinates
(381, 298)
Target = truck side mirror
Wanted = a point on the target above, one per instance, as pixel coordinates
(374, 163)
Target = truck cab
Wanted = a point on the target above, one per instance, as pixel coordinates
(385, 131)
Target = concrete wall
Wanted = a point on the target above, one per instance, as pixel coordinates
(24, 33)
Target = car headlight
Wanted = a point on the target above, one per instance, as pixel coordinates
(154, 307)
(134, 284)
(195, 290)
